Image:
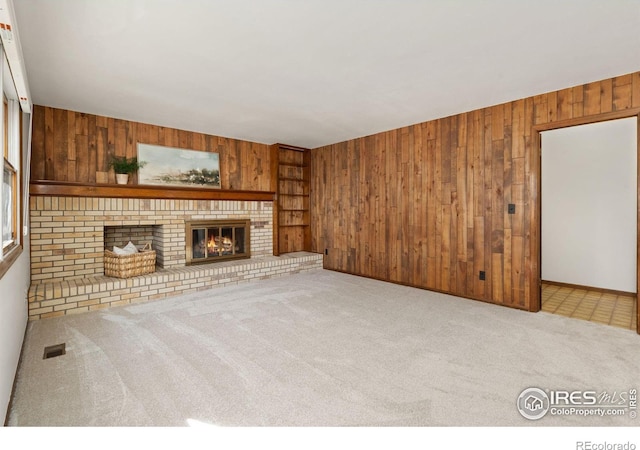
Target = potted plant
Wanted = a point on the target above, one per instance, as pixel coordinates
(124, 166)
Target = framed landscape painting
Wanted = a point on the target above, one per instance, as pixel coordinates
(169, 166)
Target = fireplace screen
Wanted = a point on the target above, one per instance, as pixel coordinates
(217, 240)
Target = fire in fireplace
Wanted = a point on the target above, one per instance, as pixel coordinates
(217, 240)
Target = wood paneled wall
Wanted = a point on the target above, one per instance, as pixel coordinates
(73, 146)
(426, 205)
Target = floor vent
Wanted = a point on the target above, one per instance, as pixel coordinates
(54, 350)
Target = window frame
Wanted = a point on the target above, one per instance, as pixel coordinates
(12, 161)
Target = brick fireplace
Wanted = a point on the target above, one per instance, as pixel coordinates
(69, 235)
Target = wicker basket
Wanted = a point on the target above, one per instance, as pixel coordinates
(127, 266)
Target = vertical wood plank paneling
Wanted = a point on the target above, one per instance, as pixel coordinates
(119, 138)
(622, 92)
(431, 206)
(60, 141)
(635, 90)
(92, 148)
(438, 236)
(507, 182)
(73, 146)
(478, 208)
(530, 271)
(102, 149)
(578, 101)
(488, 201)
(591, 102)
(426, 205)
(460, 259)
(565, 104)
(38, 156)
(82, 161)
(470, 212)
(552, 105)
(606, 96)
(541, 111)
(452, 199)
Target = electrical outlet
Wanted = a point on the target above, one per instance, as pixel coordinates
(511, 209)
(482, 275)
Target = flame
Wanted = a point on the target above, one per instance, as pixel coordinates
(219, 244)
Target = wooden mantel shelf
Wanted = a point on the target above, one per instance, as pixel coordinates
(63, 189)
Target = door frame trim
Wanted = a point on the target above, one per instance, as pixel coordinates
(535, 183)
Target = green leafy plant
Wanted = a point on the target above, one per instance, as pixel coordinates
(122, 164)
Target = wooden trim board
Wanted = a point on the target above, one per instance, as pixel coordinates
(61, 189)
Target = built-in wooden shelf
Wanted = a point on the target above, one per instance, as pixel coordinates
(290, 172)
(64, 189)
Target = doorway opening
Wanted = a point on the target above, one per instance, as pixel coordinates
(589, 221)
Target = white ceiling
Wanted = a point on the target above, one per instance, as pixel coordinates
(314, 72)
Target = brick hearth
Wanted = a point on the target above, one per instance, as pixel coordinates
(73, 296)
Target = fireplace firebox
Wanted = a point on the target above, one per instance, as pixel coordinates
(217, 240)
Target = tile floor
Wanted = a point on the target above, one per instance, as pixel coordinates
(601, 307)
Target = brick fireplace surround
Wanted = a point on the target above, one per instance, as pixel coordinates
(68, 242)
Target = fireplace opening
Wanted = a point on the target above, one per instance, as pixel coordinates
(217, 240)
(139, 235)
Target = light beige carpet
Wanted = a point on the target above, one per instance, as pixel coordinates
(321, 348)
